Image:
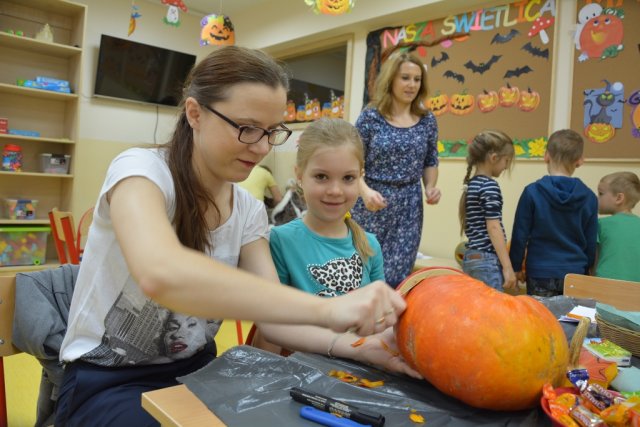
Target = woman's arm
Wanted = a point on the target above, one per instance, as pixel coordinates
(379, 349)
(372, 199)
(276, 195)
(497, 239)
(430, 180)
(189, 282)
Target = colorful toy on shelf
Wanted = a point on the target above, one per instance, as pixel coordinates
(21, 208)
(300, 113)
(290, 113)
(12, 158)
(23, 245)
(326, 109)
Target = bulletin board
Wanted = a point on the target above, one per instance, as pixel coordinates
(606, 79)
(488, 69)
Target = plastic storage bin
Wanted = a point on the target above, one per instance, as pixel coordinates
(23, 245)
(20, 208)
(55, 163)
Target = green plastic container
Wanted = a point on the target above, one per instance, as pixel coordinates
(23, 245)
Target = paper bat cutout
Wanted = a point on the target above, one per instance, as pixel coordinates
(499, 38)
(483, 66)
(453, 75)
(517, 72)
(443, 57)
(536, 51)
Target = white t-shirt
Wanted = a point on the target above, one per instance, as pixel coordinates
(111, 321)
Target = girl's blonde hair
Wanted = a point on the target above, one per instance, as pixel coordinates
(335, 133)
(382, 96)
(626, 183)
(484, 144)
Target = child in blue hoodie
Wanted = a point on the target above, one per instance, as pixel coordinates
(556, 221)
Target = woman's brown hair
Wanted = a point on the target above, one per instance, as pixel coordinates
(208, 82)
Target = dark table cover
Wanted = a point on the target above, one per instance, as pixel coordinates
(246, 386)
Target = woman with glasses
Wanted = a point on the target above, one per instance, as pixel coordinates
(172, 231)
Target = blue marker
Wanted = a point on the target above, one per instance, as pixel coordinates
(337, 407)
(327, 419)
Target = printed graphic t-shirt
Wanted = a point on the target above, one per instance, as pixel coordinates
(111, 321)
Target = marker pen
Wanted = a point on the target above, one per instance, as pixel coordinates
(336, 407)
(327, 419)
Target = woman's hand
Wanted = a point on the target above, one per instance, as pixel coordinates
(381, 350)
(373, 200)
(365, 311)
(510, 280)
(432, 195)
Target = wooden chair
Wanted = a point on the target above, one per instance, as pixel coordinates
(7, 308)
(69, 241)
(622, 294)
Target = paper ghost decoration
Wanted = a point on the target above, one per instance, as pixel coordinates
(173, 13)
(216, 30)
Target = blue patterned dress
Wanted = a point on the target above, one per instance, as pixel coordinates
(395, 159)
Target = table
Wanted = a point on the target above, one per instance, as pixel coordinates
(249, 387)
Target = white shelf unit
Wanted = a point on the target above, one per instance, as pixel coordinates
(54, 115)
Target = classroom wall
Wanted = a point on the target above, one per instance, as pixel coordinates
(279, 25)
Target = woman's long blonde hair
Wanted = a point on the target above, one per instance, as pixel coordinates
(484, 144)
(382, 96)
(335, 133)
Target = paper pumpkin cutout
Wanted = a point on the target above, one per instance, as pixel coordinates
(461, 104)
(173, 13)
(488, 101)
(634, 100)
(529, 100)
(331, 7)
(217, 30)
(132, 19)
(508, 95)
(438, 104)
(601, 36)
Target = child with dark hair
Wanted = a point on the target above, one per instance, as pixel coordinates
(556, 221)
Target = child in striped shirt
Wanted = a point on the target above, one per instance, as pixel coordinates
(486, 257)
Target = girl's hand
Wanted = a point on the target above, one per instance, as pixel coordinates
(510, 280)
(432, 195)
(373, 200)
(521, 277)
(366, 310)
(381, 350)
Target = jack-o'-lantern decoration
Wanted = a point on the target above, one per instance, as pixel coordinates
(508, 95)
(599, 132)
(300, 114)
(326, 109)
(438, 104)
(217, 30)
(461, 104)
(331, 7)
(290, 112)
(488, 101)
(529, 100)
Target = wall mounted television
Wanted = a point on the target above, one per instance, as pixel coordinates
(139, 72)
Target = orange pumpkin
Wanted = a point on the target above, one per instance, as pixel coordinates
(486, 348)
(508, 95)
(529, 100)
(438, 104)
(599, 132)
(488, 101)
(333, 7)
(461, 103)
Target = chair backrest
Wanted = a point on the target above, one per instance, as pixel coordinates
(622, 294)
(83, 230)
(64, 236)
(7, 308)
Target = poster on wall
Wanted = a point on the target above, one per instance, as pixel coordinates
(606, 87)
(486, 69)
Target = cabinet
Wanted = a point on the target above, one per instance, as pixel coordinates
(54, 115)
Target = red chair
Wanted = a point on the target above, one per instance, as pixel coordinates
(64, 236)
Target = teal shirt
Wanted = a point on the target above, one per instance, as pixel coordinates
(321, 265)
(619, 247)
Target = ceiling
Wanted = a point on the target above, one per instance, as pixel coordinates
(227, 7)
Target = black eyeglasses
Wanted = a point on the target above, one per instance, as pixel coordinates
(248, 134)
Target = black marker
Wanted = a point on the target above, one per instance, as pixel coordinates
(336, 407)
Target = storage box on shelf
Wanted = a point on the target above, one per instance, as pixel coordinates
(23, 245)
(43, 121)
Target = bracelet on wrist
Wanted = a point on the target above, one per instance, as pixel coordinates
(332, 344)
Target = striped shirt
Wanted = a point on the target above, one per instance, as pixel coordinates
(483, 202)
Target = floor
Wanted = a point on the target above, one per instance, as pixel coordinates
(22, 376)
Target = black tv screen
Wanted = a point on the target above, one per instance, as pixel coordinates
(140, 72)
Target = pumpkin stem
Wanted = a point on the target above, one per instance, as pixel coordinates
(576, 341)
